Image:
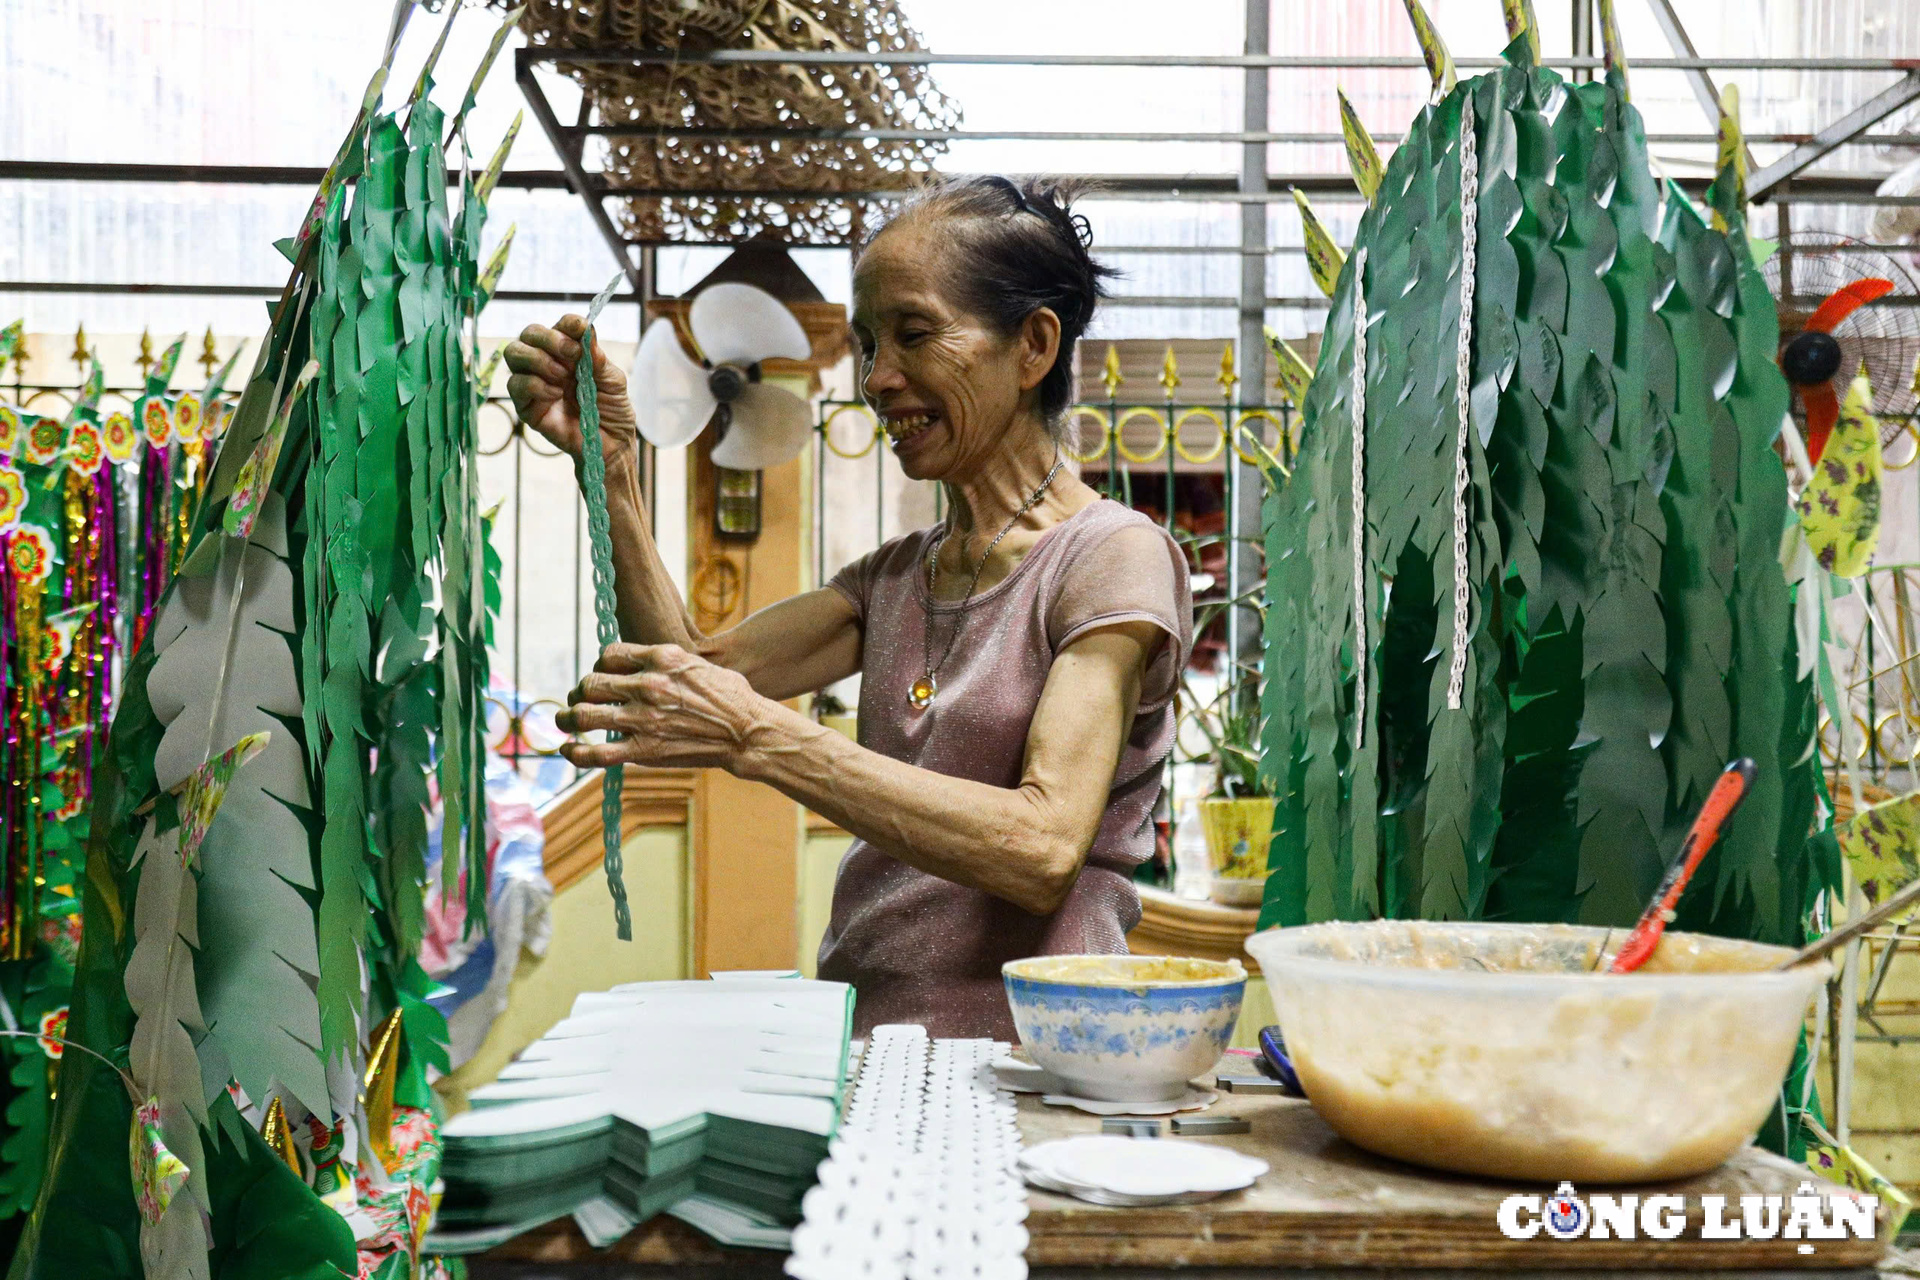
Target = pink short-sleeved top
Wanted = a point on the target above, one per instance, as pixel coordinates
(921, 949)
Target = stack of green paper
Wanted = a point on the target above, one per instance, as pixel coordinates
(716, 1096)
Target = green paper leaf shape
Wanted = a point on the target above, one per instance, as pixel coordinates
(224, 669)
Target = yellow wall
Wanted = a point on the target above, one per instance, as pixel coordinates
(584, 955)
(820, 854)
(1256, 1011)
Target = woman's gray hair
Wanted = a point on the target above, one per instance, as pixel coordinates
(1021, 248)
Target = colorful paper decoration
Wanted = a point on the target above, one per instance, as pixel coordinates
(1324, 258)
(186, 418)
(1613, 49)
(1727, 198)
(1294, 377)
(86, 448)
(206, 787)
(1840, 507)
(60, 627)
(496, 266)
(119, 437)
(1882, 846)
(13, 496)
(157, 421)
(53, 1030)
(1521, 22)
(331, 1181)
(1433, 49)
(1841, 1164)
(42, 440)
(1362, 157)
(157, 1172)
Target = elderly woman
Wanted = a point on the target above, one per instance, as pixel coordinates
(1018, 661)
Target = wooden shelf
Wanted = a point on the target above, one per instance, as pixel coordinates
(1175, 926)
(648, 798)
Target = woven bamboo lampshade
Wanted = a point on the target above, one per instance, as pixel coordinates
(768, 97)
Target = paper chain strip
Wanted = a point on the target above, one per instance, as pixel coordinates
(593, 485)
(1463, 371)
(922, 1182)
(1359, 398)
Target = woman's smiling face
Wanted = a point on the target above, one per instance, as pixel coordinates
(945, 386)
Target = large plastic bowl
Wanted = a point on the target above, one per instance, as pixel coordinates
(1494, 1049)
(1125, 1028)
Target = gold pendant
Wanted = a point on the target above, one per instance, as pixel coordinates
(921, 692)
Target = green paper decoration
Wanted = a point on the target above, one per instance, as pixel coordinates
(1628, 627)
(593, 485)
(341, 610)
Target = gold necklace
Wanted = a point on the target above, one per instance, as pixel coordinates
(922, 690)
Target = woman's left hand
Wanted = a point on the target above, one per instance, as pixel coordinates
(674, 709)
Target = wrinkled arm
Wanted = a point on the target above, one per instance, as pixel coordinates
(1025, 844)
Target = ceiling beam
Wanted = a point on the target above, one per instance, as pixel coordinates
(1842, 131)
(256, 175)
(1703, 89)
(598, 56)
(586, 184)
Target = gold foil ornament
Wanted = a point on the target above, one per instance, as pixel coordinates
(383, 1063)
(279, 1135)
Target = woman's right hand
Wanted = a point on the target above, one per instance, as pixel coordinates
(541, 383)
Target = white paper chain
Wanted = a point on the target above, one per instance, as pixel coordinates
(1463, 372)
(922, 1182)
(1358, 396)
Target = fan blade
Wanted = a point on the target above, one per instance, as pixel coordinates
(739, 324)
(670, 396)
(769, 427)
(1844, 301)
(1823, 410)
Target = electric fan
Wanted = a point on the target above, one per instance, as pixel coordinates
(1844, 304)
(735, 327)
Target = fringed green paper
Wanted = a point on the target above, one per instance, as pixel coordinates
(593, 487)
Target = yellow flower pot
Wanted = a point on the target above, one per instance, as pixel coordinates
(1238, 833)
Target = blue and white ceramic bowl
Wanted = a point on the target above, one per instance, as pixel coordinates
(1125, 1028)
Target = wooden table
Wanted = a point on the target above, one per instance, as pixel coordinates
(1325, 1206)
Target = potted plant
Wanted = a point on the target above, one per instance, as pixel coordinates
(830, 711)
(1237, 817)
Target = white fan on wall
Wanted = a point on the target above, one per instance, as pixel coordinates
(735, 327)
